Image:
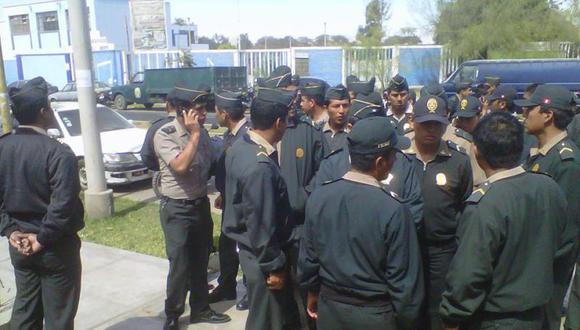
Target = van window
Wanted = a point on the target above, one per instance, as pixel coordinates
(467, 73)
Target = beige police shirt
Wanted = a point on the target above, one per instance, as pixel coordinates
(170, 140)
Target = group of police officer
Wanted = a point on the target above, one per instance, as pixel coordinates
(345, 209)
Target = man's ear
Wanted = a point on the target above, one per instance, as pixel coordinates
(548, 116)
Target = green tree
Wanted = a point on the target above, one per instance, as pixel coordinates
(377, 13)
(406, 36)
(500, 28)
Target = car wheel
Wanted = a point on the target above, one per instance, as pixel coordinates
(148, 105)
(156, 184)
(82, 174)
(120, 102)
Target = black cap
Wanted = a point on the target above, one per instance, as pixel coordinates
(313, 90)
(228, 100)
(295, 80)
(492, 80)
(435, 89)
(362, 87)
(367, 106)
(32, 96)
(468, 107)
(350, 79)
(550, 96)
(398, 84)
(186, 94)
(372, 135)
(285, 98)
(338, 92)
(430, 108)
(504, 93)
(463, 85)
(279, 78)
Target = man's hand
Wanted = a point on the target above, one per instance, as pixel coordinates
(20, 241)
(312, 305)
(276, 281)
(218, 202)
(191, 122)
(35, 246)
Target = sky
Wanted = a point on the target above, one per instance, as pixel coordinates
(297, 18)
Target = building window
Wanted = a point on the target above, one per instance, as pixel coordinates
(47, 22)
(19, 25)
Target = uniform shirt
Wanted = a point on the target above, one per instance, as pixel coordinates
(446, 182)
(301, 150)
(401, 124)
(560, 158)
(508, 237)
(465, 141)
(574, 130)
(257, 207)
(229, 138)
(170, 140)
(402, 181)
(39, 186)
(335, 140)
(360, 240)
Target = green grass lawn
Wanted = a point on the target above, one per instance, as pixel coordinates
(134, 227)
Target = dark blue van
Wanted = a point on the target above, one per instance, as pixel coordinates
(518, 73)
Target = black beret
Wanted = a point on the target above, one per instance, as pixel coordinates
(313, 90)
(338, 92)
(362, 87)
(228, 100)
(285, 98)
(398, 84)
(186, 94)
(367, 106)
(32, 96)
(434, 89)
(372, 135)
(279, 78)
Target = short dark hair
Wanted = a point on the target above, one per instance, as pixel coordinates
(27, 112)
(318, 99)
(235, 113)
(264, 114)
(499, 137)
(562, 118)
(365, 163)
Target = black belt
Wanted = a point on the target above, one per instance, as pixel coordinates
(529, 313)
(188, 202)
(352, 298)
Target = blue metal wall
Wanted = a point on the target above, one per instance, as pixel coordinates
(11, 71)
(420, 65)
(213, 58)
(53, 68)
(325, 64)
(108, 67)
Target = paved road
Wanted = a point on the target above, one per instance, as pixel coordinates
(154, 114)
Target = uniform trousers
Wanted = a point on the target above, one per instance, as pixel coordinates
(48, 286)
(229, 263)
(531, 319)
(563, 269)
(269, 309)
(187, 229)
(573, 315)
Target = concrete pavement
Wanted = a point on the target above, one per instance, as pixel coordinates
(121, 290)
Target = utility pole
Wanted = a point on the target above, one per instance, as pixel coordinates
(98, 199)
(4, 108)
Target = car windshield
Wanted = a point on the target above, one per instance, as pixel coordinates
(107, 120)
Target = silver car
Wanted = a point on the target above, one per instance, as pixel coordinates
(69, 92)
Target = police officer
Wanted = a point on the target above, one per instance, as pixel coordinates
(185, 157)
(281, 77)
(463, 91)
(337, 102)
(40, 213)
(467, 115)
(548, 112)
(312, 103)
(574, 129)
(446, 182)
(353, 226)
(402, 180)
(229, 114)
(356, 86)
(486, 89)
(502, 99)
(257, 213)
(399, 110)
(508, 237)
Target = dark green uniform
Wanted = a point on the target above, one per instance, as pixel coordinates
(257, 217)
(574, 130)
(360, 250)
(446, 182)
(502, 273)
(402, 125)
(335, 140)
(560, 158)
(402, 180)
(573, 316)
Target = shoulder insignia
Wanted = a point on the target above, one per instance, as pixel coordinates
(333, 152)
(262, 155)
(456, 147)
(330, 181)
(478, 194)
(169, 129)
(392, 194)
(463, 134)
(565, 150)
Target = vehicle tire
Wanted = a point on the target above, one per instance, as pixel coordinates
(156, 184)
(82, 174)
(148, 106)
(120, 102)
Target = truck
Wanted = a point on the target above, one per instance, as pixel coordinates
(152, 86)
